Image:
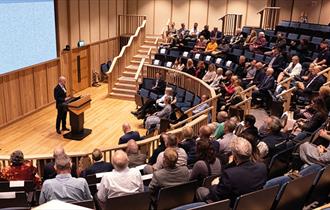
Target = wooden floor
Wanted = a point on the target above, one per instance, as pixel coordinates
(36, 134)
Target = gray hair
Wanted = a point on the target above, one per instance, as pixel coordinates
(275, 124)
(120, 160)
(63, 163)
(241, 148)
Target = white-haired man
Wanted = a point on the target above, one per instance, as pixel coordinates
(60, 94)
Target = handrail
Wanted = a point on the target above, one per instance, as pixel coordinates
(269, 17)
(326, 84)
(205, 102)
(248, 90)
(325, 73)
(191, 118)
(242, 102)
(287, 101)
(139, 69)
(285, 80)
(285, 92)
(268, 8)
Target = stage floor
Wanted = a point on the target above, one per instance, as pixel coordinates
(36, 134)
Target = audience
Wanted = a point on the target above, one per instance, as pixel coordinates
(161, 148)
(216, 34)
(194, 32)
(121, 181)
(84, 163)
(135, 157)
(154, 119)
(324, 56)
(211, 47)
(267, 84)
(203, 106)
(189, 144)
(206, 33)
(64, 187)
(158, 85)
(246, 177)
(129, 134)
(200, 45)
(99, 165)
(190, 69)
(20, 169)
(228, 136)
(210, 74)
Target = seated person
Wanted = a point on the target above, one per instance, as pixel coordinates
(216, 34)
(200, 45)
(205, 134)
(229, 88)
(233, 99)
(237, 40)
(135, 157)
(170, 175)
(301, 48)
(128, 134)
(161, 148)
(261, 91)
(251, 38)
(210, 74)
(280, 42)
(211, 47)
(249, 126)
(154, 119)
(246, 177)
(189, 144)
(183, 32)
(292, 70)
(171, 142)
(158, 85)
(223, 47)
(194, 32)
(171, 32)
(259, 43)
(19, 169)
(84, 163)
(99, 164)
(190, 68)
(178, 65)
(303, 128)
(217, 80)
(64, 187)
(277, 61)
(271, 143)
(258, 75)
(228, 137)
(116, 183)
(200, 70)
(206, 33)
(201, 107)
(324, 56)
(222, 116)
(240, 70)
(207, 163)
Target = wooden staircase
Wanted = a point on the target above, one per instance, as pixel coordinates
(125, 86)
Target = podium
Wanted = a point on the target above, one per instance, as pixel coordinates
(77, 106)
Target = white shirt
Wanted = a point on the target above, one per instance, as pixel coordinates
(119, 183)
(62, 86)
(295, 71)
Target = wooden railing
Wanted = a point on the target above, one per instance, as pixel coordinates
(163, 33)
(326, 73)
(127, 24)
(126, 54)
(269, 17)
(286, 95)
(183, 80)
(230, 23)
(147, 146)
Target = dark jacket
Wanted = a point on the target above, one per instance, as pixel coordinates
(314, 85)
(153, 158)
(59, 95)
(189, 145)
(259, 76)
(278, 63)
(267, 83)
(98, 167)
(273, 142)
(160, 88)
(244, 178)
(128, 136)
(314, 122)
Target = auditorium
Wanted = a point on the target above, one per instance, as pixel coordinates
(165, 104)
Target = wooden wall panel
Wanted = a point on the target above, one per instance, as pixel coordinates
(311, 7)
(162, 14)
(132, 7)
(147, 8)
(12, 97)
(217, 9)
(62, 24)
(198, 12)
(180, 12)
(3, 112)
(52, 79)
(324, 16)
(95, 21)
(103, 53)
(286, 7)
(237, 7)
(40, 85)
(74, 22)
(254, 6)
(84, 20)
(113, 13)
(111, 50)
(104, 19)
(95, 57)
(26, 84)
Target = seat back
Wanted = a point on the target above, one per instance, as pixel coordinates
(259, 57)
(321, 188)
(138, 100)
(13, 199)
(93, 188)
(164, 125)
(88, 204)
(128, 202)
(144, 92)
(279, 163)
(189, 97)
(258, 200)
(305, 37)
(292, 36)
(147, 83)
(220, 205)
(197, 100)
(316, 40)
(294, 193)
(171, 197)
(180, 94)
(16, 186)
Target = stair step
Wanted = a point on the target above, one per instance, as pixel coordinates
(153, 36)
(129, 74)
(140, 56)
(133, 66)
(152, 43)
(143, 51)
(125, 86)
(126, 80)
(138, 61)
(124, 91)
(122, 96)
(145, 46)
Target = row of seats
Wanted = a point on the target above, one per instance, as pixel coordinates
(304, 28)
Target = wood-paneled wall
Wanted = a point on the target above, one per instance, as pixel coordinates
(190, 11)
(88, 20)
(316, 10)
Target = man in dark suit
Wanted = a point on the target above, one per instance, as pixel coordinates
(99, 165)
(60, 96)
(277, 62)
(129, 134)
(266, 84)
(158, 85)
(245, 177)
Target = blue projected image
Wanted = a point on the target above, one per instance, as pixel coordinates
(28, 35)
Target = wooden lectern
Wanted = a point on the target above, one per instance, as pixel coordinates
(77, 106)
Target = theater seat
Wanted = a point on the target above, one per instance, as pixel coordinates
(128, 202)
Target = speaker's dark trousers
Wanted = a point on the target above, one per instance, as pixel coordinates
(61, 116)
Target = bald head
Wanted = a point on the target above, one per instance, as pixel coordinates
(126, 127)
(269, 71)
(222, 116)
(58, 151)
(259, 65)
(62, 80)
(205, 132)
(120, 160)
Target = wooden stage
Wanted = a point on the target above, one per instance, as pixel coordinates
(36, 134)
